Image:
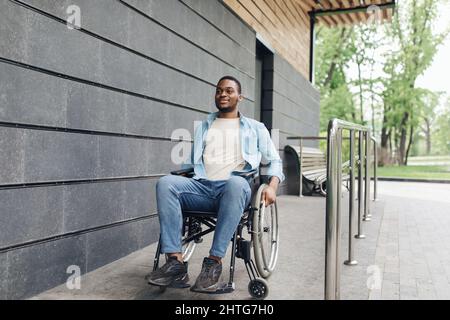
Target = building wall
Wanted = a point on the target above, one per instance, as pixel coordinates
(86, 118)
(291, 105)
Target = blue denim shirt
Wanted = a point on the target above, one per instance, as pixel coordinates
(256, 145)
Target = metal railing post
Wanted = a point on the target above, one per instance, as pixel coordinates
(367, 215)
(300, 169)
(375, 165)
(351, 261)
(360, 235)
(338, 211)
(332, 203)
(333, 200)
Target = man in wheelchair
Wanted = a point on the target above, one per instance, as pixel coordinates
(227, 149)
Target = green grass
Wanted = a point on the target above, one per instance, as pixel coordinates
(416, 172)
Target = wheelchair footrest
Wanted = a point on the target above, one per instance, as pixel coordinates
(222, 287)
(225, 288)
(244, 249)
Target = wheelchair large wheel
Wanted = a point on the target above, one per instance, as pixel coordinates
(265, 236)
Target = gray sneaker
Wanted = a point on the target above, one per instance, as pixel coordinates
(208, 279)
(172, 274)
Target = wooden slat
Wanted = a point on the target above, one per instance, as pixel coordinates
(361, 16)
(327, 5)
(351, 16)
(285, 24)
(389, 14)
(297, 22)
(285, 29)
(297, 11)
(291, 29)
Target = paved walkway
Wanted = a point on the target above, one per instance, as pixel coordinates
(405, 255)
(413, 248)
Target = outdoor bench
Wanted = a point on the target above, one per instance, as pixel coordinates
(311, 165)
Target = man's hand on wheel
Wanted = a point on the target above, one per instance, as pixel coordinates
(269, 195)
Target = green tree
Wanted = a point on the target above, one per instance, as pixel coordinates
(385, 83)
(334, 51)
(441, 132)
(415, 45)
(428, 100)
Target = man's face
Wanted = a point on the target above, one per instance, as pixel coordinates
(227, 96)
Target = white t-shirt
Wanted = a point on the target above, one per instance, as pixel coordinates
(223, 153)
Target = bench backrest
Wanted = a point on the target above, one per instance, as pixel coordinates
(312, 158)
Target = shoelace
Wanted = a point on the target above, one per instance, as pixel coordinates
(208, 266)
(165, 266)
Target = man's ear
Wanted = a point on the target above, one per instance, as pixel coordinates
(240, 98)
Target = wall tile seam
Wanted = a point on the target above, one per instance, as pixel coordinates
(62, 183)
(298, 107)
(305, 90)
(221, 31)
(294, 119)
(304, 106)
(311, 87)
(73, 234)
(99, 85)
(289, 134)
(188, 40)
(34, 127)
(226, 6)
(124, 47)
(282, 63)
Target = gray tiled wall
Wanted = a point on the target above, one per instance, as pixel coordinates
(93, 111)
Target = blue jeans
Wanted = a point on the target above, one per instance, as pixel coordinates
(227, 198)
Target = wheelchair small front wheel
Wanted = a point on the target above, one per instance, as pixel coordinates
(258, 288)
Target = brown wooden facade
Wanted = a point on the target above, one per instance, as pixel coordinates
(286, 24)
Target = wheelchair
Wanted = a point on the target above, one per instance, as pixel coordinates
(262, 229)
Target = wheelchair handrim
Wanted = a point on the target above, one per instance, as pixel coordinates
(273, 238)
(265, 266)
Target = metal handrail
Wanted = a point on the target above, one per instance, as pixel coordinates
(334, 186)
(375, 165)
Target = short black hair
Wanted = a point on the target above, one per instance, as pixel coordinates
(232, 79)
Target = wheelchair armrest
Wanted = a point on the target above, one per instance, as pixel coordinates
(249, 175)
(183, 172)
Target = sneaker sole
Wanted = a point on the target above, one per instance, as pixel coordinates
(219, 288)
(180, 283)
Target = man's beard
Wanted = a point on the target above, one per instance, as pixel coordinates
(226, 109)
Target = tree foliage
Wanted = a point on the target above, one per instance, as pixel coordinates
(384, 87)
